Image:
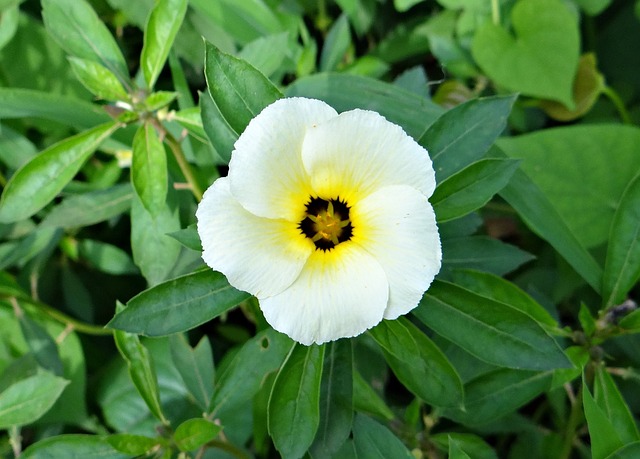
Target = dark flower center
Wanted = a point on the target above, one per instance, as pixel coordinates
(326, 223)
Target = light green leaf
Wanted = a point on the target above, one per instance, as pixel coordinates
(294, 411)
(194, 433)
(188, 237)
(178, 305)
(221, 135)
(374, 441)
(159, 99)
(195, 366)
(268, 53)
(456, 451)
(90, 208)
(471, 188)
(238, 89)
(346, 92)
(483, 254)
(418, 363)
(135, 445)
(492, 331)
(41, 344)
(604, 437)
(336, 400)
(162, 26)
(73, 446)
(609, 399)
(622, 267)
(463, 134)
(141, 370)
(28, 399)
(630, 451)
(9, 17)
(16, 148)
(631, 322)
(98, 79)
(106, 257)
(36, 183)
(541, 59)
(149, 169)
(79, 30)
(335, 45)
(190, 119)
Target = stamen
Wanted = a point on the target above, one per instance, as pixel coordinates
(326, 223)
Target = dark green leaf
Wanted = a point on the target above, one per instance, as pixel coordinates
(471, 188)
(483, 254)
(98, 79)
(220, 134)
(188, 237)
(456, 451)
(178, 305)
(367, 400)
(106, 257)
(490, 330)
(604, 437)
(241, 378)
(630, 451)
(149, 169)
(28, 399)
(161, 29)
(41, 344)
(418, 363)
(90, 208)
(195, 367)
(469, 443)
(79, 30)
(609, 399)
(346, 92)
(631, 321)
(36, 183)
(141, 370)
(238, 89)
(194, 433)
(373, 440)
(336, 400)
(294, 411)
(464, 134)
(335, 45)
(622, 268)
(73, 446)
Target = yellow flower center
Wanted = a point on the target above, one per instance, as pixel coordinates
(326, 223)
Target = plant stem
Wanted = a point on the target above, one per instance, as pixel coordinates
(185, 167)
(575, 417)
(617, 102)
(495, 11)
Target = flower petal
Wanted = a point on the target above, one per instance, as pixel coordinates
(354, 154)
(397, 226)
(340, 293)
(258, 255)
(267, 176)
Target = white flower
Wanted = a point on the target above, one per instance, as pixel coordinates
(325, 219)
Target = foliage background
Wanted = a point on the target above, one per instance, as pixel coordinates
(115, 115)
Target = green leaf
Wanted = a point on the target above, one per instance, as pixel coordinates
(346, 92)
(374, 441)
(631, 321)
(294, 411)
(269, 53)
(242, 376)
(194, 433)
(603, 434)
(41, 344)
(336, 400)
(195, 366)
(609, 399)
(218, 131)
(367, 400)
(90, 208)
(106, 257)
(630, 451)
(9, 18)
(73, 446)
(463, 134)
(28, 399)
(79, 30)
(190, 119)
(497, 393)
(159, 99)
(154, 252)
(455, 451)
(418, 363)
(335, 45)
(178, 305)
(622, 267)
(16, 148)
(582, 170)
(135, 445)
(539, 214)
(471, 444)
(541, 59)
(483, 254)
(162, 26)
(188, 237)
(471, 188)
(36, 183)
(490, 330)
(149, 169)
(503, 291)
(98, 79)
(238, 89)
(21, 103)
(141, 370)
